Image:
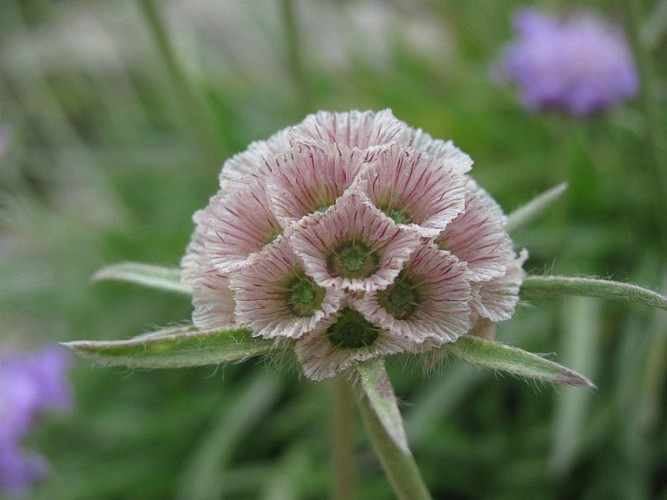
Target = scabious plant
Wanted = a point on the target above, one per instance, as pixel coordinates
(352, 236)
(30, 385)
(344, 239)
(578, 64)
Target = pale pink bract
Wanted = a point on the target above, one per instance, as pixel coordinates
(351, 236)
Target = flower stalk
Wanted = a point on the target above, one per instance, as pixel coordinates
(398, 465)
(343, 440)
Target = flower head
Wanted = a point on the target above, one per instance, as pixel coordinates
(30, 384)
(351, 236)
(577, 64)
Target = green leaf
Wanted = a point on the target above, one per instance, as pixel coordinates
(550, 286)
(206, 473)
(380, 393)
(162, 278)
(525, 214)
(176, 347)
(579, 348)
(490, 354)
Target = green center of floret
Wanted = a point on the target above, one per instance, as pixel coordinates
(353, 259)
(274, 235)
(401, 298)
(322, 207)
(398, 215)
(352, 331)
(304, 295)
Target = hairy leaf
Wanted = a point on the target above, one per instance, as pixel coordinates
(175, 348)
(525, 214)
(548, 286)
(490, 354)
(162, 278)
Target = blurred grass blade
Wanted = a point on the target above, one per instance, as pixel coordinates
(655, 370)
(437, 400)
(579, 349)
(654, 28)
(241, 412)
(288, 480)
(549, 286)
(177, 348)
(202, 131)
(525, 214)
(377, 387)
(162, 278)
(490, 354)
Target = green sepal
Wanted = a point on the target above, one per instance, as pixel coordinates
(497, 356)
(550, 286)
(176, 347)
(380, 393)
(162, 278)
(525, 214)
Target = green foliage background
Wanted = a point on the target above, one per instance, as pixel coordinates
(106, 165)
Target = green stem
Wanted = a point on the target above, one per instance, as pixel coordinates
(189, 104)
(294, 58)
(400, 467)
(343, 441)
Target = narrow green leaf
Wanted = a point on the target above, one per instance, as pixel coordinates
(550, 286)
(579, 349)
(206, 473)
(380, 394)
(437, 400)
(162, 278)
(288, 477)
(490, 354)
(175, 348)
(525, 214)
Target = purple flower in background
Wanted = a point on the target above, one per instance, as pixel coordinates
(577, 64)
(30, 384)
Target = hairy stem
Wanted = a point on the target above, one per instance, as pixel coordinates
(399, 466)
(343, 441)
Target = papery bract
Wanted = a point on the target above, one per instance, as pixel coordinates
(343, 341)
(276, 298)
(429, 299)
(308, 179)
(414, 188)
(354, 246)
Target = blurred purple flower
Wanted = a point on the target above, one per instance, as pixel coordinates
(577, 64)
(18, 471)
(30, 384)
